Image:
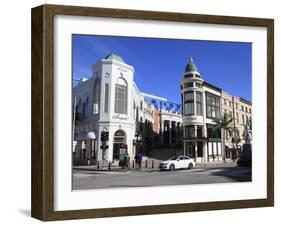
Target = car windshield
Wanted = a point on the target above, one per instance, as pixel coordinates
(173, 158)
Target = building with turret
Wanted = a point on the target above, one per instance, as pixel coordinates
(204, 105)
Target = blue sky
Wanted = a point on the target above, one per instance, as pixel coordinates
(159, 63)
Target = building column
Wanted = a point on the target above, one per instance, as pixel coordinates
(205, 152)
(162, 129)
(88, 149)
(195, 143)
(170, 132)
(205, 144)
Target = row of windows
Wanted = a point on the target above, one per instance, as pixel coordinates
(228, 102)
(244, 122)
(121, 96)
(246, 109)
(212, 104)
(191, 84)
(192, 76)
(190, 132)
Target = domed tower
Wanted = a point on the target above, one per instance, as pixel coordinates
(192, 111)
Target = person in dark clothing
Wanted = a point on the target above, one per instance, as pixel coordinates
(127, 160)
(139, 159)
(136, 161)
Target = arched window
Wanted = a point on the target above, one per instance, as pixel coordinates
(121, 96)
(96, 96)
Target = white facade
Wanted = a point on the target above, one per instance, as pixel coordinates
(110, 101)
(101, 111)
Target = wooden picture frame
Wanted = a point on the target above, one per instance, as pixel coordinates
(43, 117)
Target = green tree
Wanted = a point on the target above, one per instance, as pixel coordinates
(223, 124)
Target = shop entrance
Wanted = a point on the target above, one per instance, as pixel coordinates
(119, 143)
(190, 149)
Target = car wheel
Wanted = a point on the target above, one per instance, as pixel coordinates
(190, 166)
(172, 167)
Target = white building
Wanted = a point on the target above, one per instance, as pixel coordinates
(110, 101)
(202, 107)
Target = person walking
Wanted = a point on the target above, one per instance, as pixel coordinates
(122, 159)
(136, 161)
(124, 163)
(127, 160)
(139, 160)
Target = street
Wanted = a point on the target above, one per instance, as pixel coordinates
(93, 179)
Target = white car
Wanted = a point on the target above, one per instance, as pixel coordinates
(177, 162)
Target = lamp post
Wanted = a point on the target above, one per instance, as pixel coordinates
(138, 136)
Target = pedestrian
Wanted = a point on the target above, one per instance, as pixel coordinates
(128, 160)
(122, 160)
(136, 160)
(124, 163)
(139, 160)
(234, 154)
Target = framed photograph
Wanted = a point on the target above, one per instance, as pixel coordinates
(141, 112)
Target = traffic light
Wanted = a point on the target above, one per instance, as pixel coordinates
(104, 136)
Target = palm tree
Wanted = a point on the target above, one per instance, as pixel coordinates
(235, 138)
(223, 125)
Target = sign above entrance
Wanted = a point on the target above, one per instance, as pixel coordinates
(119, 116)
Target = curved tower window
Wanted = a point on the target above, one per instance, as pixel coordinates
(121, 96)
(198, 103)
(96, 96)
(189, 103)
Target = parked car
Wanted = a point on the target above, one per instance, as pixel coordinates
(245, 158)
(177, 162)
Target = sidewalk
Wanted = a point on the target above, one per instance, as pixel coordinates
(215, 164)
(119, 169)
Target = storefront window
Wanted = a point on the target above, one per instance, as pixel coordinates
(212, 132)
(189, 131)
(199, 131)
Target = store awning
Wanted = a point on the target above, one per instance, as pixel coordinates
(91, 136)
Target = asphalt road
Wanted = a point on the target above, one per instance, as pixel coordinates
(87, 179)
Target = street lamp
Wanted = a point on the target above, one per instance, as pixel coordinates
(139, 138)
